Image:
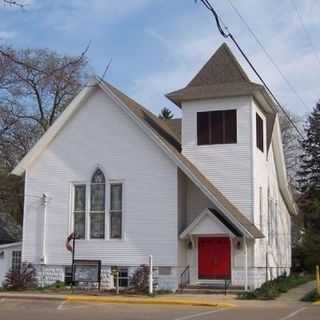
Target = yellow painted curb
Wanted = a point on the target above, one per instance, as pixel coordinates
(317, 302)
(147, 301)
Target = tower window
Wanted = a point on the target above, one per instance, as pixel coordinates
(259, 132)
(217, 127)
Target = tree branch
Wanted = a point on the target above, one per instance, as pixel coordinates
(13, 3)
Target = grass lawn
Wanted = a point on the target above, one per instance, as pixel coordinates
(274, 288)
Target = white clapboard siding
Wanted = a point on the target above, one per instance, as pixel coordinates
(265, 177)
(101, 135)
(227, 166)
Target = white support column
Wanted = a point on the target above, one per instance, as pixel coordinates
(245, 245)
(150, 275)
(44, 226)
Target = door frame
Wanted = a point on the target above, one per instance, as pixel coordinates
(196, 261)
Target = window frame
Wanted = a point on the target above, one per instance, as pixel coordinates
(210, 137)
(90, 212)
(15, 263)
(116, 182)
(122, 270)
(87, 183)
(74, 185)
(260, 136)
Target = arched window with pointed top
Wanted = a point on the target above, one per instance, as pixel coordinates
(97, 205)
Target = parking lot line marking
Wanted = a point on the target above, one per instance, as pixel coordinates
(197, 315)
(60, 306)
(293, 314)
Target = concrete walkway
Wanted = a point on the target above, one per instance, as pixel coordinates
(296, 294)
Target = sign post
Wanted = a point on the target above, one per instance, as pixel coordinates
(70, 248)
(318, 279)
(150, 275)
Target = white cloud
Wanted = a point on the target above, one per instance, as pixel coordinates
(189, 46)
(6, 35)
(77, 14)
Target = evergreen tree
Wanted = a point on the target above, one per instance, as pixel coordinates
(309, 173)
(309, 185)
(165, 114)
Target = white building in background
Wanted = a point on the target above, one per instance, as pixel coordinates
(10, 245)
(10, 259)
(206, 195)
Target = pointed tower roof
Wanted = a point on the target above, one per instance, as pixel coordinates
(222, 67)
(222, 76)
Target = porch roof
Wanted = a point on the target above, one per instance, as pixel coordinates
(217, 224)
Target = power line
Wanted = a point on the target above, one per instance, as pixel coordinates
(291, 87)
(227, 34)
(305, 30)
(106, 68)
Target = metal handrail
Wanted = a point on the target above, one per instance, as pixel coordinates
(185, 277)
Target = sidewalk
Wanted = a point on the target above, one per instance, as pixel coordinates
(210, 300)
(296, 294)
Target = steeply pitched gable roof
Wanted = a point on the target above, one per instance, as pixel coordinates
(175, 126)
(186, 165)
(158, 131)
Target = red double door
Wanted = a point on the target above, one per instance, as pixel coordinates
(214, 258)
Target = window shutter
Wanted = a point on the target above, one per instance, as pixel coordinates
(203, 128)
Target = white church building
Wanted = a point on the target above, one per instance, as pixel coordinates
(206, 195)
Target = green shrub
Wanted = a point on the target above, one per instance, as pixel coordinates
(312, 296)
(139, 281)
(22, 279)
(274, 288)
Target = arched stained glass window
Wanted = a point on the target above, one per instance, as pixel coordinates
(98, 177)
(97, 205)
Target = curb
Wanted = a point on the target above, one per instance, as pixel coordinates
(150, 301)
(116, 300)
(32, 297)
(317, 302)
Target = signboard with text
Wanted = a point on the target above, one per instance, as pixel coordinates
(87, 271)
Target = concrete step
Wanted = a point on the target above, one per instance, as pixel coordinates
(211, 288)
(209, 291)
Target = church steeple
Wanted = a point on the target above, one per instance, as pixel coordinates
(222, 67)
(222, 76)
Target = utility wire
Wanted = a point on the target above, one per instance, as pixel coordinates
(305, 30)
(106, 68)
(227, 34)
(290, 86)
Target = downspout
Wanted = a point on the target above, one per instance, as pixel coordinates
(245, 264)
(44, 231)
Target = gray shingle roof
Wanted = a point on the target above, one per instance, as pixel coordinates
(167, 136)
(222, 67)
(222, 76)
(175, 126)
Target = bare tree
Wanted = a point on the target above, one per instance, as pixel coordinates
(291, 145)
(13, 3)
(35, 87)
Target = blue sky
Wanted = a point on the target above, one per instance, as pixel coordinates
(158, 45)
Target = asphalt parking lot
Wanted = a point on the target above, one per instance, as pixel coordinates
(55, 310)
